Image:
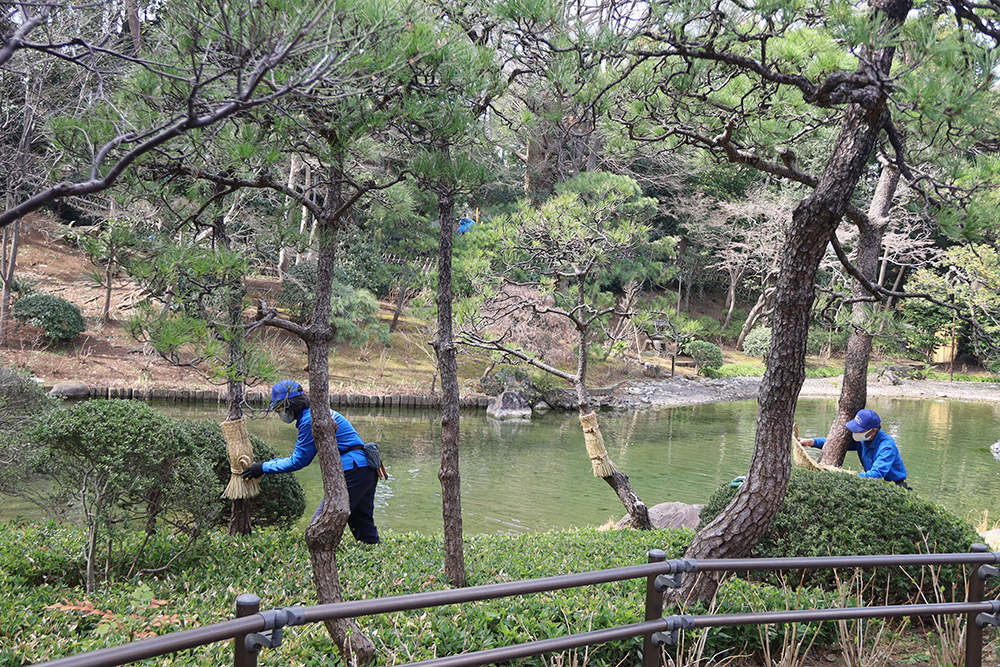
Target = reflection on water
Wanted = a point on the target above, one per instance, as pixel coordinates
(534, 477)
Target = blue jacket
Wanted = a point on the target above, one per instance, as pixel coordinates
(305, 446)
(880, 457)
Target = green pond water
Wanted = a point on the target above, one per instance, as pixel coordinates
(536, 477)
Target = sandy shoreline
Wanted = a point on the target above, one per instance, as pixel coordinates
(680, 391)
(987, 392)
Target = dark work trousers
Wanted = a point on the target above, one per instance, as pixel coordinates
(361, 483)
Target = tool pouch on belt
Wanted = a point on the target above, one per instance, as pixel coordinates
(375, 460)
(373, 457)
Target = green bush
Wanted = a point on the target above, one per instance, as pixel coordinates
(203, 583)
(59, 319)
(506, 378)
(738, 596)
(758, 342)
(126, 465)
(706, 355)
(282, 500)
(732, 332)
(23, 403)
(710, 327)
(275, 564)
(827, 514)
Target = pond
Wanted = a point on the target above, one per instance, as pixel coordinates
(536, 477)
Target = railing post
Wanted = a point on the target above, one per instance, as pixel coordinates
(247, 604)
(974, 633)
(654, 610)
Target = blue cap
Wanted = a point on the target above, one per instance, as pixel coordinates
(284, 390)
(863, 421)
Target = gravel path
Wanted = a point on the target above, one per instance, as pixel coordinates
(681, 390)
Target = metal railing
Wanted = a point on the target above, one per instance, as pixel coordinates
(253, 630)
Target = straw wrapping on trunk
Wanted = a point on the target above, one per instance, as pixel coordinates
(599, 460)
(240, 453)
(800, 459)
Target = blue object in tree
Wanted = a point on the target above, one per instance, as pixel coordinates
(465, 225)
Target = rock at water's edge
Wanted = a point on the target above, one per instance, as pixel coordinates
(672, 515)
(70, 390)
(511, 404)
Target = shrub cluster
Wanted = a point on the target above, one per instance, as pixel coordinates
(705, 355)
(827, 514)
(758, 342)
(59, 319)
(124, 467)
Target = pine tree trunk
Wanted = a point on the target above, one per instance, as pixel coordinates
(637, 510)
(240, 521)
(854, 391)
(326, 531)
(444, 347)
(8, 261)
(742, 523)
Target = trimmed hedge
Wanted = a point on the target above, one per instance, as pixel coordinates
(832, 514)
(61, 320)
(706, 356)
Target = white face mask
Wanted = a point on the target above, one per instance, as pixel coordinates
(287, 416)
(860, 437)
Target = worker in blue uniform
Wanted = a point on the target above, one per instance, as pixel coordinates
(877, 450)
(291, 403)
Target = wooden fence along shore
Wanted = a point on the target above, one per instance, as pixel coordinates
(401, 401)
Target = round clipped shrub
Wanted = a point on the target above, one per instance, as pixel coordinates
(835, 514)
(58, 318)
(282, 500)
(705, 355)
(758, 342)
(127, 467)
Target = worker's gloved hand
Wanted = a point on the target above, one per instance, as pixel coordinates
(254, 471)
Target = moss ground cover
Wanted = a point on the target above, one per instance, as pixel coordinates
(43, 617)
(44, 613)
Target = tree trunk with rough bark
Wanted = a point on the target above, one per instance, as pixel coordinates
(444, 347)
(854, 391)
(240, 521)
(9, 241)
(540, 175)
(326, 531)
(742, 523)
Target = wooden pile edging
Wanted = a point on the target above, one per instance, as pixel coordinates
(256, 397)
